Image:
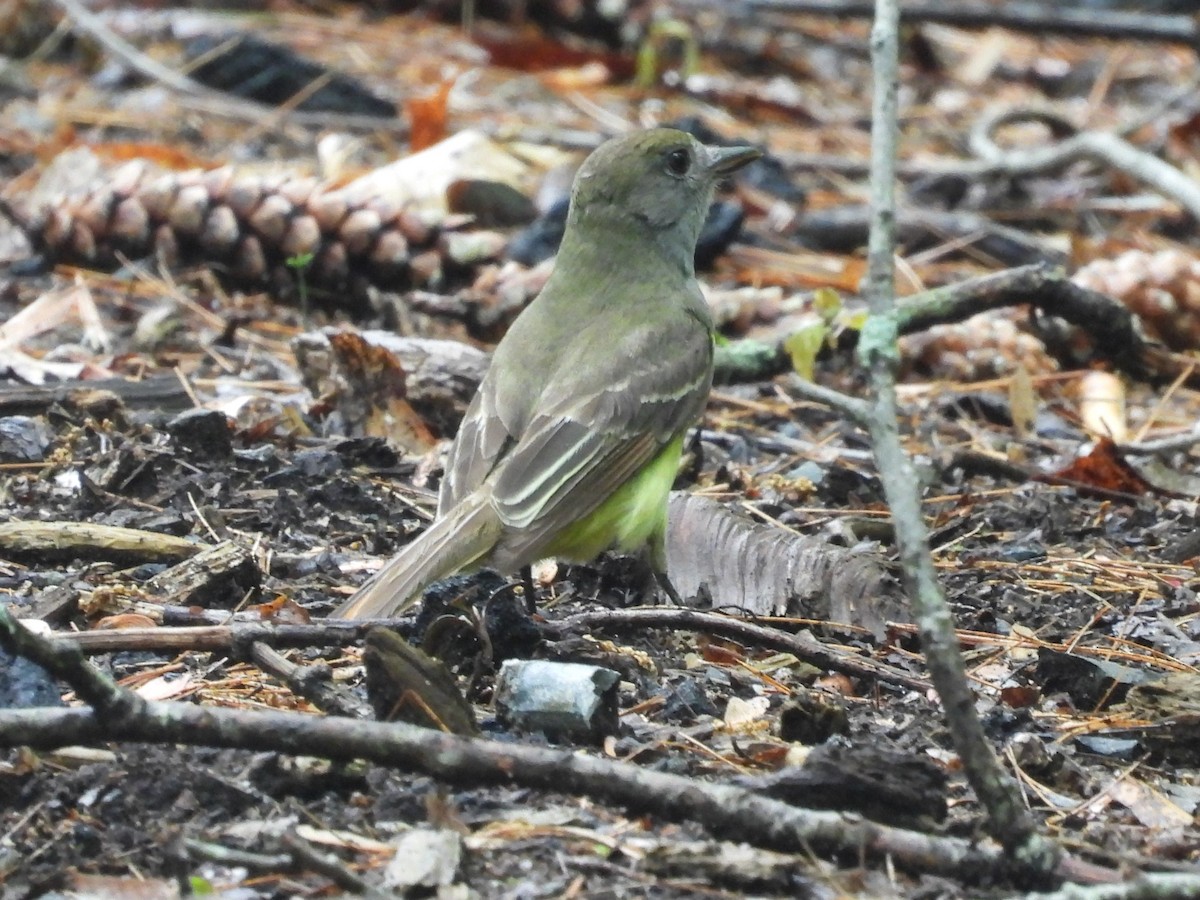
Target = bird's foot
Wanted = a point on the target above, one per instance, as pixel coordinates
(664, 584)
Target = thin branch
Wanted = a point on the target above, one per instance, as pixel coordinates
(236, 636)
(88, 22)
(858, 411)
(878, 351)
(66, 663)
(257, 638)
(748, 632)
(313, 682)
(1184, 441)
(467, 762)
(1096, 146)
(1116, 332)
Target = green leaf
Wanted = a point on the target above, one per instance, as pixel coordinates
(856, 321)
(803, 346)
(657, 36)
(827, 303)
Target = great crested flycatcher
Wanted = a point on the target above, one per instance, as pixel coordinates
(572, 443)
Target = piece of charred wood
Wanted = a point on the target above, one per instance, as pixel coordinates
(405, 684)
(884, 784)
(247, 66)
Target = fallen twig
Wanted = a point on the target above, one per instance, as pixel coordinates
(312, 682)
(226, 638)
(118, 714)
(254, 635)
(57, 540)
(197, 95)
(1098, 146)
(725, 811)
(748, 632)
(1116, 331)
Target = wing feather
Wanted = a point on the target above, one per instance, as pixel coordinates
(572, 457)
(550, 460)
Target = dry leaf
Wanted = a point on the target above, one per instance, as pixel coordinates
(1104, 468)
(1022, 402)
(427, 117)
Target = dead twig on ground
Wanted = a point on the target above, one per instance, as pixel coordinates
(228, 637)
(1096, 146)
(256, 635)
(313, 682)
(1116, 332)
(748, 632)
(196, 95)
(117, 714)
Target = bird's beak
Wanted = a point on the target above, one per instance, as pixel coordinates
(724, 160)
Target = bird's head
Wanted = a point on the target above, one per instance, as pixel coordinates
(656, 183)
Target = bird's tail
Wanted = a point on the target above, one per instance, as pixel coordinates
(454, 542)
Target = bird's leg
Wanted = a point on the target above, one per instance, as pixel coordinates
(667, 588)
(692, 462)
(656, 557)
(530, 595)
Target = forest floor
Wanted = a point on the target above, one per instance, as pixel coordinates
(1066, 538)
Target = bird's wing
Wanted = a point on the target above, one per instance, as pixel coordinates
(482, 439)
(587, 438)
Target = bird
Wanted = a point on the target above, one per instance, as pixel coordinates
(574, 438)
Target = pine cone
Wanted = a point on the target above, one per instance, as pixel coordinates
(989, 345)
(247, 227)
(1163, 289)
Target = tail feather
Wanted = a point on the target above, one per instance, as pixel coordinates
(454, 542)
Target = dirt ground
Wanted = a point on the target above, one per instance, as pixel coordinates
(1075, 593)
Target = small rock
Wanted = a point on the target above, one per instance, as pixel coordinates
(721, 228)
(24, 439)
(688, 701)
(540, 241)
(1114, 748)
(567, 701)
(425, 857)
(24, 684)
(494, 204)
(316, 462)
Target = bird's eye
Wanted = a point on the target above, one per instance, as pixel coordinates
(678, 162)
